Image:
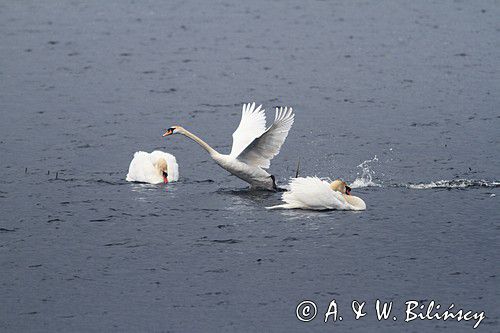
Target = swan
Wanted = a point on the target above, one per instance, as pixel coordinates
(154, 168)
(253, 145)
(316, 194)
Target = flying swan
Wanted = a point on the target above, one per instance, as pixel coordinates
(153, 168)
(316, 194)
(253, 145)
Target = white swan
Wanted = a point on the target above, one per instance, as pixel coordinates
(316, 194)
(154, 168)
(253, 145)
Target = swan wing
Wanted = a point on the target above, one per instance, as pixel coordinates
(263, 148)
(252, 125)
(142, 170)
(313, 193)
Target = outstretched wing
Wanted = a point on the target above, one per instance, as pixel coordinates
(252, 125)
(261, 151)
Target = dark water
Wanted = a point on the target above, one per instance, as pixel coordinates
(84, 85)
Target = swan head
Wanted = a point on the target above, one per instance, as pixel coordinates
(173, 130)
(340, 186)
(161, 166)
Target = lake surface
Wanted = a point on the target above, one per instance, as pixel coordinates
(400, 98)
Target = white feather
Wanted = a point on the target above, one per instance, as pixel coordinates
(262, 149)
(252, 125)
(316, 194)
(142, 167)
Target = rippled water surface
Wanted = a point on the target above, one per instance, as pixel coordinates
(399, 98)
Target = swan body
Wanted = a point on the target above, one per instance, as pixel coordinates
(316, 194)
(257, 177)
(153, 168)
(253, 145)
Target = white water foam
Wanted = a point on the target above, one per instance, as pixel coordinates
(366, 175)
(456, 183)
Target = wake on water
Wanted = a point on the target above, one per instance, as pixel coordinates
(366, 178)
(455, 183)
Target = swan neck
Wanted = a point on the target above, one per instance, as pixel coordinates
(199, 141)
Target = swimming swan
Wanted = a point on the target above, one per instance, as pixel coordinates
(154, 168)
(316, 194)
(253, 145)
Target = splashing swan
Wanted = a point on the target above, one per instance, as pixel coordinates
(253, 145)
(153, 168)
(316, 194)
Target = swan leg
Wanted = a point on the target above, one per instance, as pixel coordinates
(275, 187)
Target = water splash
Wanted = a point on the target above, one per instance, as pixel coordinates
(366, 175)
(455, 183)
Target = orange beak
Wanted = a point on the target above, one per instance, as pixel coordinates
(168, 132)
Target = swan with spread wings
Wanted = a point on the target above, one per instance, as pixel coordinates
(253, 145)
